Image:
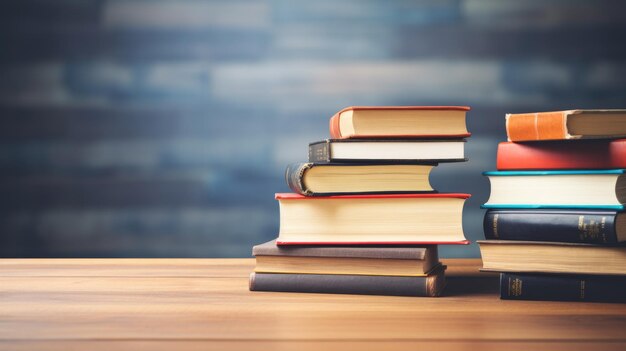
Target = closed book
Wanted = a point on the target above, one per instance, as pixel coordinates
(575, 226)
(562, 125)
(427, 151)
(570, 154)
(583, 189)
(428, 286)
(354, 260)
(562, 287)
(312, 179)
(399, 122)
(390, 219)
(551, 257)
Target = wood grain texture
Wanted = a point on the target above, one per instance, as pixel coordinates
(190, 304)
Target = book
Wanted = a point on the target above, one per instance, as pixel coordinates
(313, 179)
(393, 219)
(587, 189)
(550, 257)
(399, 122)
(387, 151)
(562, 287)
(569, 154)
(575, 226)
(364, 260)
(570, 124)
(427, 286)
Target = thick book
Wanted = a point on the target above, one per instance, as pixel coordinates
(569, 154)
(570, 124)
(387, 151)
(399, 122)
(574, 226)
(428, 286)
(354, 260)
(585, 189)
(313, 179)
(550, 257)
(562, 287)
(393, 219)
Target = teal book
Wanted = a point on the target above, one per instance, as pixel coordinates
(574, 189)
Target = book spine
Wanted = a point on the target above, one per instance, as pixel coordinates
(294, 175)
(537, 126)
(515, 286)
(345, 284)
(587, 154)
(335, 132)
(563, 226)
(320, 152)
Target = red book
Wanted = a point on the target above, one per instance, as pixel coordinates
(399, 122)
(579, 154)
(390, 219)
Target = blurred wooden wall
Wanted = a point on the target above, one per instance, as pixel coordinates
(162, 128)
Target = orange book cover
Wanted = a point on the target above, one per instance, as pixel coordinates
(537, 126)
(568, 124)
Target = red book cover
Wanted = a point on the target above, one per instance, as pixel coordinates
(386, 243)
(335, 131)
(294, 196)
(574, 154)
(298, 197)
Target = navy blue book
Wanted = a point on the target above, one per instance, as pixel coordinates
(582, 189)
(569, 226)
(563, 287)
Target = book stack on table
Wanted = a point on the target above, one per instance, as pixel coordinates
(363, 218)
(555, 224)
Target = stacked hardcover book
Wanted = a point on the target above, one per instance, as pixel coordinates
(556, 225)
(363, 218)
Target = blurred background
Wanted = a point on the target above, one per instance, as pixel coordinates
(162, 128)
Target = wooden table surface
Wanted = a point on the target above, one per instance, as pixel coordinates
(200, 304)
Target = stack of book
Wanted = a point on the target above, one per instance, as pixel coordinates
(363, 218)
(556, 225)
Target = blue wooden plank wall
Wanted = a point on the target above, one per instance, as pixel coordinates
(162, 127)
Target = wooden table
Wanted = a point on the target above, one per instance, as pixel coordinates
(200, 304)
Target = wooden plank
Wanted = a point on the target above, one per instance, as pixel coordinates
(90, 267)
(96, 300)
(307, 345)
(171, 267)
(218, 308)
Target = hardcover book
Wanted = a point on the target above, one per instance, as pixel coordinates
(399, 122)
(575, 226)
(570, 154)
(562, 287)
(549, 257)
(586, 189)
(427, 286)
(570, 124)
(355, 260)
(312, 179)
(387, 151)
(393, 219)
